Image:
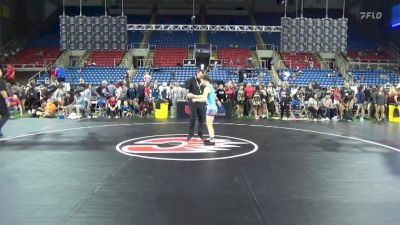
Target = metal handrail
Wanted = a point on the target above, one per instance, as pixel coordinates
(374, 61)
(45, 69)
(285, 60)
(142, 63)
(122, 61)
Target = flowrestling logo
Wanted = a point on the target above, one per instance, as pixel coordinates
(175, 147)
(371, 15)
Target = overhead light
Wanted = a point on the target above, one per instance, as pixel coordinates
(395, 25)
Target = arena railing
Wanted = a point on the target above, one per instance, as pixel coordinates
(119, 62)
(373, 61)
(267, 47)
(144, 63)
(139, 45)
(282, 63)
(44, 71)
(371, 65)
(253, 48)
(394, 48)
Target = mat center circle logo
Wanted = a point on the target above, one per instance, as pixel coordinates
(176, 147)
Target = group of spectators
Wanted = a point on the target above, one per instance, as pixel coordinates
(312, 102)
(110, 99)
(127, 99)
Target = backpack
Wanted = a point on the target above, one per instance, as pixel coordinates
(240, 96)
(256, 98)
(164, 93)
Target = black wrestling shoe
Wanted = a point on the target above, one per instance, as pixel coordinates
(208, 142)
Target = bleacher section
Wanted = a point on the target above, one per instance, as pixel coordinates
(106, 58)
(270, 19)
(95, 75)
(174, 39)
(301, 60)
(167, 74)
(322, 77)
(50, 38)
(357, 40)
(169, 56)
(34, 57)
(230, 39)
(136, 36)
(181, 74)
(226, 74)
(234, 57)
(376, 77)
(369, 56)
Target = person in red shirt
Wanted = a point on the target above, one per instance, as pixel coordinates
(147, 93)
(15, 104)
(53, 75)
(112, 107)
(230, 92)
(147, 107)
(249, 91)
(10, 76)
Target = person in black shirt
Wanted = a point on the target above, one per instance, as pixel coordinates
(369, 100)
(284, 100)
(220, 92)
(194, 86)
(347, 102)
(4, 112)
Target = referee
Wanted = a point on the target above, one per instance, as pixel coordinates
(4, 113)
(198, 109)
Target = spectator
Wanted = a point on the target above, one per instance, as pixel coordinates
(131, 93)
(379, 98)
(220, 92)
(329, 108)
(61, 74)
(147, 79)
(369, 101)
(112, 107)
(230, 92)
(102, 91)
(68, 102)
(50, 110)
(313, 107)
(156, 92)
(126, 110)
(284, 100)
(53, 74)
(257, 103)
(80, 104)
(15, 104)
(347, 102)
(111, 89)
(240, 100)
(361, 102)
(10, 75)
(249, 91)
(32, 97)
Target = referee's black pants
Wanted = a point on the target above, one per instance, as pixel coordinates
(4, 113)
(197, 109)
